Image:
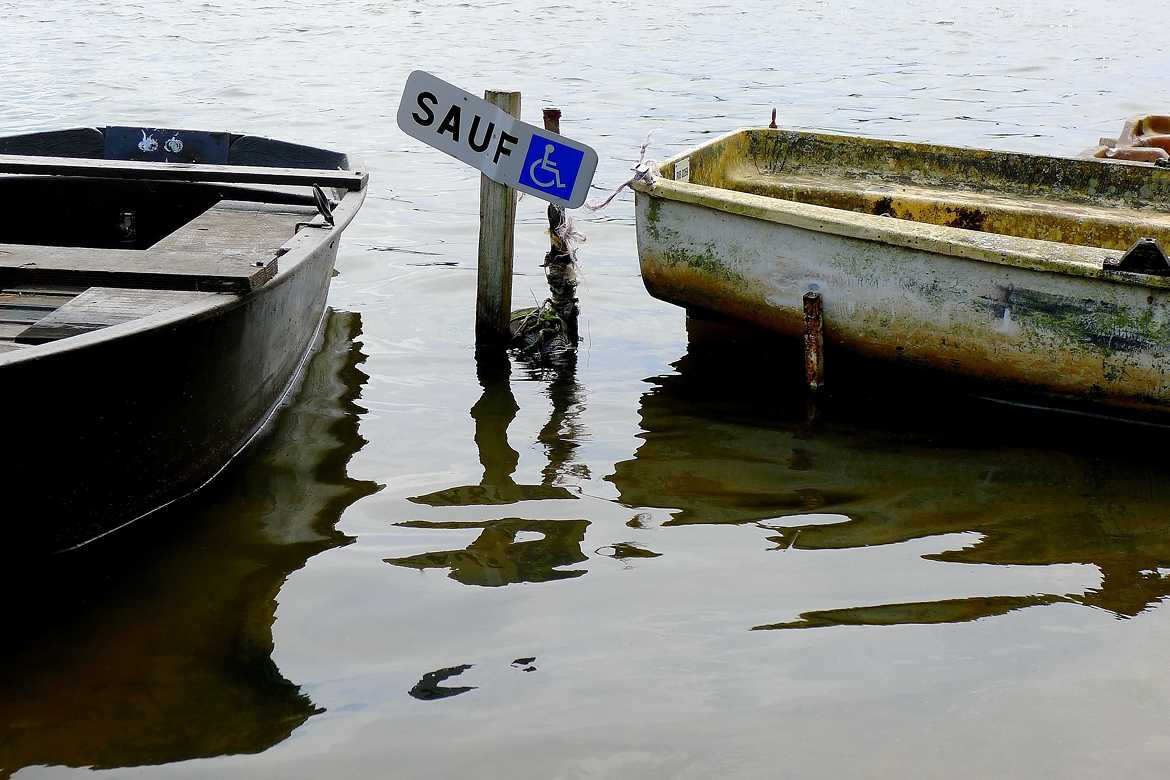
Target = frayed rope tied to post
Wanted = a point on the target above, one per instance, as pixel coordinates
(569, 236)
(643, 172)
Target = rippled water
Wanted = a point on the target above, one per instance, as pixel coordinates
(434, 567)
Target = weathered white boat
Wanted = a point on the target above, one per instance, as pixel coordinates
(1024, 271)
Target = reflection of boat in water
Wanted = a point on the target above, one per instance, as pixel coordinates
(1035, 493)
(168, 657)
(500, 556)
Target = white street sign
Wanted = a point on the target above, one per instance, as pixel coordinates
(487, 138)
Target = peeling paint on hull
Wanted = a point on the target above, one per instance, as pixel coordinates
(1037, 316)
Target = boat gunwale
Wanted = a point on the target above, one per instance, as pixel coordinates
(293, 252)
(998, 249)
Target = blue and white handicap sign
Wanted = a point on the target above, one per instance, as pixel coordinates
(506, 150)
(551, 167)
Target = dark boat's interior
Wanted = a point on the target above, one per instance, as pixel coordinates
(207, 247)
(100, 214)
(84, 252)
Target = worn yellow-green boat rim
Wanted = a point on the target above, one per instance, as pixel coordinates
(711, 159)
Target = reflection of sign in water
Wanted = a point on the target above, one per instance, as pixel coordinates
(489, 139)
(498, 558)
(505, 552)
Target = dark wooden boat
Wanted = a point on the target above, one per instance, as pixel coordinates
(160, 291)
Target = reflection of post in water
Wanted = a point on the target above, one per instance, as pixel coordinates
(502, 554)
(157, 646)
(493, 413)
(562, 434)
(901, 466)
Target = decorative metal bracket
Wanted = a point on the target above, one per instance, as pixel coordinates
(1146, 256)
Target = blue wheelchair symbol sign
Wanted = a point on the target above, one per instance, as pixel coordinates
(551, 167)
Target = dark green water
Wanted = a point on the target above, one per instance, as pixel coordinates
(653, 564)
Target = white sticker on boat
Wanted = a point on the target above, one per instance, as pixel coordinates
(148, 143)
(682, 169)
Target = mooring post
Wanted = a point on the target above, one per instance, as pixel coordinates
(556, 215)
(559, 263)
(497, 222)
(814, 341)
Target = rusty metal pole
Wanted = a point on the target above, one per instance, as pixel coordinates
(814, 341)
(552, 120)
(556, 215)
(559, 262)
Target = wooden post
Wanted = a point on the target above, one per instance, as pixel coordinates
(559, 262)
(552, 120)
(814, 341)
(497, 221)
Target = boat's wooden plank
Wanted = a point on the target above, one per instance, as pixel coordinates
(101, 307)
(65, 290)
(9, 346)
(127, 169)
(154, 270)
(225, 249)
(10, 330)
(26, 315)
(31, 300)
(28, 307)
(251, 232)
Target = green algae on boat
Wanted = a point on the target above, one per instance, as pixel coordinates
(989, 265)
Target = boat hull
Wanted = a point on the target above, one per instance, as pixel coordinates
(112, 430)
(1016, 325)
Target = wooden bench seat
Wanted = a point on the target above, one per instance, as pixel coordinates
(101, 307)
(231, 247)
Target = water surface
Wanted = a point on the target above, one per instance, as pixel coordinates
(650, 565)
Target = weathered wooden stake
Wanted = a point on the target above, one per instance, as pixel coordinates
(497, 221)
(814, 341)
(559, 262)
(556, 215)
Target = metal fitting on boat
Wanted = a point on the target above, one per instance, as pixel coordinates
(1146, 256)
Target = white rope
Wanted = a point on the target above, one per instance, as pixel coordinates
(569, 235)
(643, 172)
